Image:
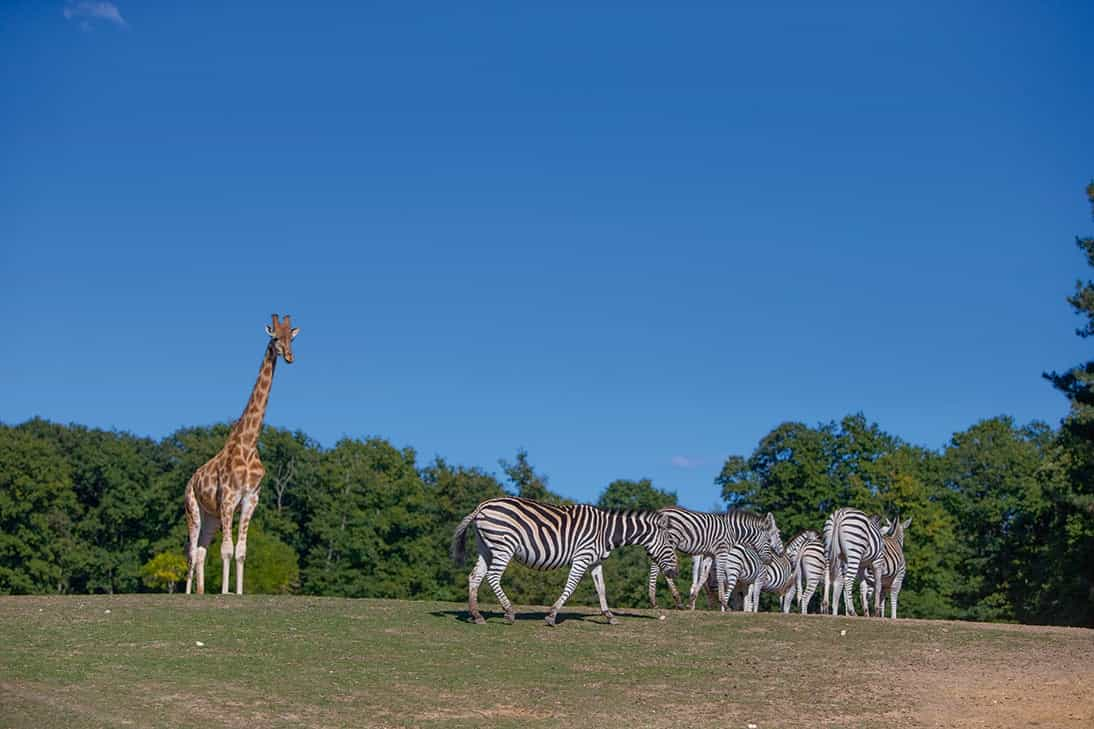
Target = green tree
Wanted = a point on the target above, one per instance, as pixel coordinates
(625, 494)
(991, 474)
(164, 571)
(1067, 522)
(525, 481)
(371, 524)
(37, 503)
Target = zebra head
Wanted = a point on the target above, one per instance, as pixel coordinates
(898, 529)
(774, 539)
(882, 524)
(794, 546)
(661, 546)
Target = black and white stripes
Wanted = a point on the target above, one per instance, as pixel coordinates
(740, 547)
(852, 543)
(545, 536)
(705, 533)
(893, 569)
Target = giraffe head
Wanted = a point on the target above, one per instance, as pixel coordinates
(282, 333)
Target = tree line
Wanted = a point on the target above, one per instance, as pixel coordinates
(1000, 531)
(1003, 514)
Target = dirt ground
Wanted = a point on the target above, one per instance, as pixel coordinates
(291, 661)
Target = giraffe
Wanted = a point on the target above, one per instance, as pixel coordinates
(231, 478)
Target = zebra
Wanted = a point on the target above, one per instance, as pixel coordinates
(852, 541)
(780, 577)
(545, 536)
(738, 565)
(806, 551)
(703, 533)
(894, 567)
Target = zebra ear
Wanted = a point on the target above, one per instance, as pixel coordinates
(906, 523)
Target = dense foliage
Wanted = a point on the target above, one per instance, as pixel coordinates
(1003, 515)
(997, 534)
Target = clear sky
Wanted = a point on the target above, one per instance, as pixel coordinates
(631, 240)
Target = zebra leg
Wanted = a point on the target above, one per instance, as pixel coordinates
(699, 577)
(894, 591)
(788, 597)
(837, 588)
(473, 581)
(710, 586)
(577, 571)
(654, 572)
(862, 593)
(850, 572)
(878, 567)
(597, 574)
(826, 598)
(805, 596)
(493, 577)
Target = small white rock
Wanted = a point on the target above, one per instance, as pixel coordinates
(199, 644)
(107, 611)
(843, 632)
(751, 726)
(661, 617)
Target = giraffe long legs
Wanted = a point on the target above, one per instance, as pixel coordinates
(226, 546)
(193, 523)
(250, 502)
(207, 530)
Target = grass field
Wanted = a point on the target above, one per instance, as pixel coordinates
(134, 660)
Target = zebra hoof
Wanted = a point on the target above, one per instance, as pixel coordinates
(479, 620)
(611, 619)
(550, 619)
(510, 618)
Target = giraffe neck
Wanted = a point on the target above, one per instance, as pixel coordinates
(246, 430)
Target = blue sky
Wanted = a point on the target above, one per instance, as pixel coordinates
(631, 240)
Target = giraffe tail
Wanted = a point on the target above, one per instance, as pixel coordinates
(459, 543)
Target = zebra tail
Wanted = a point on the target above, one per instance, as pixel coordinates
(459, 543)
(832, 547)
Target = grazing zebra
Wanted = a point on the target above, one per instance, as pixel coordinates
(780, 577)
(893, 569)
(741, 564)
(545, 536)
(852, 542)
(806, 550)
(703, 533)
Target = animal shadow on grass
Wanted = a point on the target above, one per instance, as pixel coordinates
(498, 616)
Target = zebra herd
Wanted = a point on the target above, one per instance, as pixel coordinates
(737, 550)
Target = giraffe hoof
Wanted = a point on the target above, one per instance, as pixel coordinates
(510, 617)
